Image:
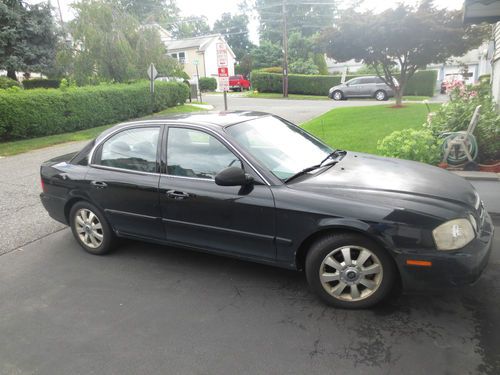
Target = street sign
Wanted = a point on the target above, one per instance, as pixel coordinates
(224, 83)
(223, 72)
(152, 73)
(221, 54)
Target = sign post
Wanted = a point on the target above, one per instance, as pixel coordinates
(152, 73)
(223, 70)
(195, 62)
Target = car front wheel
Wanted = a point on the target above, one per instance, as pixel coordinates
(349, 271)
(90, 228)
(337, 95)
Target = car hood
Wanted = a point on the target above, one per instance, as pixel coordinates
(362, 174)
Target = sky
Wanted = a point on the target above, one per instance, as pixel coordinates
(212, 9)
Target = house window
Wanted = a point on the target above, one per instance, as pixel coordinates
(180, 56)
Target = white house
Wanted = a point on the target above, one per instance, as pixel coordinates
(476, 62)
(339, 67)
(475, 12)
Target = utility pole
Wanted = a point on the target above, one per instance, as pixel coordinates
(285, 50)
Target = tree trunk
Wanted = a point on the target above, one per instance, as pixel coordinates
(11, 73)
(398, 95)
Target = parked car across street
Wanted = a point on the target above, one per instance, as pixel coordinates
(362, 87)
(254, 186)
(239, 83)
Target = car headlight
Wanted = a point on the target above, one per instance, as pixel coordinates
(331, 89)
(453, 234)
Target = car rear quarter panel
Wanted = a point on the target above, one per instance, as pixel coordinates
(63, 183)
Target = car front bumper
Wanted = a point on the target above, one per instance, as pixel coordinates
(449, 268)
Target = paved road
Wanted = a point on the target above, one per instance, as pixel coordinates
(297, 111)
(152, 310)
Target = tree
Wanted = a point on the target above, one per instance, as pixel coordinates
(113, 46)
(190, 27)
(235, 31)
(147, 11)
(405, 37)
(27, 37)
(266, 54)
(306, 17)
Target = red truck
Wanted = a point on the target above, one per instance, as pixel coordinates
(238, 83)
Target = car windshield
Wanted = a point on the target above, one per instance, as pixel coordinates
(283, 148)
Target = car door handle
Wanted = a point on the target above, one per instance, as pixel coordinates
(99, 184)
(175, 194)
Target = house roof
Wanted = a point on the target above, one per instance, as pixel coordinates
(199, 42)
(477, 11)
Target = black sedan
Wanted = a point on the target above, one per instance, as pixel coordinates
(254, 186)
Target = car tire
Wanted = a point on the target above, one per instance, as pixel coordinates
(337, 95)
(334, 275)
(381, 95)
(91, 229)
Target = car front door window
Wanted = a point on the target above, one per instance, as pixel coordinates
(194, 153)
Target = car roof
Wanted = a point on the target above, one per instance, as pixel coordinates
(210, 119)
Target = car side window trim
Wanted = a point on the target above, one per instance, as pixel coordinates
(98, 146)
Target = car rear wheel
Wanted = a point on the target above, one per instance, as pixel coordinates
(381, 95)
(337, 95)
(349, 271)
(90, 228)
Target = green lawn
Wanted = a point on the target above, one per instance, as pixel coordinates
(17, 147)
(273, 95)
(359, 128)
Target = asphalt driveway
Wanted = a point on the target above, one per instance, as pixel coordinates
(147, 309)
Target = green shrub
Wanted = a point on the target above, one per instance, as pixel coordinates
(208, 84)
(6, 82)
(273, 69)
(39, 112)
(41, 83)
(457, 113)
(411, 144)
(422, 83)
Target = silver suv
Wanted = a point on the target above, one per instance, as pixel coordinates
(361, 87)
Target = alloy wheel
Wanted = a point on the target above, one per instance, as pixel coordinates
(337, 95)
(351, 273)
(380, 95)
(89, 228)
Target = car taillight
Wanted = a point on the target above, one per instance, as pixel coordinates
(42, 183)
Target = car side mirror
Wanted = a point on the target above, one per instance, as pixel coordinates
(233, 176)
(347, 84)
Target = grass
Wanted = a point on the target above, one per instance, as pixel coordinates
(18, 147)
(360, 128)
(273, 95)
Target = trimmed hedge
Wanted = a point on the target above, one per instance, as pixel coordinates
(40, 112)
(41, 83)
(422, 83)
(6, 83)
(208, 84)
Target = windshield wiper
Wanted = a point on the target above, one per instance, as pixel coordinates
(308, 169)
(335, 153)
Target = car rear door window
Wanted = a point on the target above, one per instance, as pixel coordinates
(133, 149)
(194, 153)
